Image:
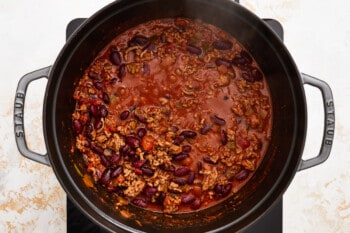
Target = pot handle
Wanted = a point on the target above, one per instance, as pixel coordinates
(18, 115)
(329, 122)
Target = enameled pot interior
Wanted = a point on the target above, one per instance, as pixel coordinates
(289, 122)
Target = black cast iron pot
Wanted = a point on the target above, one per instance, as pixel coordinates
(283, 156)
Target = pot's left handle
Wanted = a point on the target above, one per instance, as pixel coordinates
(18, 115)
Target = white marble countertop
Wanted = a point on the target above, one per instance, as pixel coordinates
(317, 34)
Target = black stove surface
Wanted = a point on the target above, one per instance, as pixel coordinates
(270, 222)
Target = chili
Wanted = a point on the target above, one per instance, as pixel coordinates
(173, 115)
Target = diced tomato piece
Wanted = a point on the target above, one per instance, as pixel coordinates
(147, 143)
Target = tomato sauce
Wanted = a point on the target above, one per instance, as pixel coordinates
(173, 115)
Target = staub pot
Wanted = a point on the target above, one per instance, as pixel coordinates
(284, 155)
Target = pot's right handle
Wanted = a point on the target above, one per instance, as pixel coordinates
(329, 122)
(18, 115)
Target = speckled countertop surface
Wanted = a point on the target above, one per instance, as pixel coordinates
(317, 34)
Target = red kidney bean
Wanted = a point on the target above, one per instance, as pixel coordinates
(130, 157)
(223, 62)
(247, 76)
(222, 44)
(244, 54)
(115, 158)
(93, 75)
(237, 60)
(103, 111)
(105, 98)
(124, 150)
(218, 188)
(104, 161)
(146, 68)
(77, 126)
(217, 120)
(115, 57)
(182, 171)
(179, 180)
(150, 47)
(242, 59)
(132, 152)
(138, 40)
(223, 190)
(205, 129)
(106, 176)
(251, 74)
(140, 118)
(141, 132)
(122, 71)
(226, 189)
(243, 143)
(117, 171)
(187, 199)
(242, 175)
(188, 134)
(124, 115)
(170, 168)
(138, 171)
(149, 191)
(94, 110)
(178, 140)
(160, 199)
(224, 138)
(199, 166)
(114, 81)
(174, 128)
(97, 149)
(98, 85)
(139, 163)
(196, 204)
(208, 160)
(186, 149)
(140, 202)
(180, 157)
(88, 130)
(256, 74)
(194, 49)
(98, 123)
(132, 141)
(191, 177)
(133, 107)
(147, 171)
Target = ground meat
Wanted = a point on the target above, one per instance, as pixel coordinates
(172, 111)
(171, 203)
(209, 178)
(135, 187)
